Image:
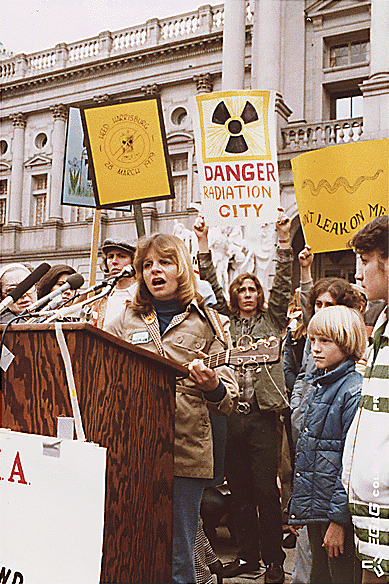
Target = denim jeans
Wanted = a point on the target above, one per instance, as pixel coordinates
(186, 512)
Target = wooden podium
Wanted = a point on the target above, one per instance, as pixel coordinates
(127, 403)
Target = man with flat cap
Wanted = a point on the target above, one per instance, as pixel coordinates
(117, 254)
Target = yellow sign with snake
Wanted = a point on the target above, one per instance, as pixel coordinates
(339, 190)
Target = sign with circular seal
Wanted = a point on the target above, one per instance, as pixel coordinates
(126, 144)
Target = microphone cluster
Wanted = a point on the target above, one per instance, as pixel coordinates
(24, 285)
(52, 300)
(73, 282)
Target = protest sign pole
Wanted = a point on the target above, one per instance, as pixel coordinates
(139, 222)
(94, 246)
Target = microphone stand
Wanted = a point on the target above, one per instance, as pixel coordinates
(76, 308)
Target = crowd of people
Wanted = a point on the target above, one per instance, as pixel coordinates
(321, 410)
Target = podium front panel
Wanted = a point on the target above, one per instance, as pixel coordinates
(127, 404)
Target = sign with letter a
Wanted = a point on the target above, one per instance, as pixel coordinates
(236, 157)
(52, 495)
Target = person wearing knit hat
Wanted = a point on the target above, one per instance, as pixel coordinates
(10, 276)
(54, 279)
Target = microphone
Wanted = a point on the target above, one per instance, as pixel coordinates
(24, 285)
(73, 281)
(127, 272)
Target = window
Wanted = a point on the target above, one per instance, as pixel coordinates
(3, 210)
(179, 165)
(3, 188)
(3, 200)
(350, 53)
(39, 186)
(179, 116)
(41, 140)
(80, 214)
(40, 209)
(348, 107)
(3, 147)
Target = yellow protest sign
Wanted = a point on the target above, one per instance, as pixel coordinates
(339, 190)
(237, 157)
(127, 147)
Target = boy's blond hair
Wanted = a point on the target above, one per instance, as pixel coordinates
(344, 326)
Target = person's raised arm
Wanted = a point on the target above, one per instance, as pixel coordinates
(201, 231)
(305, 258)
(206, 268)
(283, 224)
(280, 292)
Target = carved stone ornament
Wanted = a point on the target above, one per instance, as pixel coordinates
(60, 111)
(152, 89)
(19, 120)
(204, 83)
(101, 98)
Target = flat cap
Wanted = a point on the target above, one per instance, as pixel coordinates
(111, 243)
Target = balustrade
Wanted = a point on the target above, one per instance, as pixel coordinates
(321, 134)
(205, 20)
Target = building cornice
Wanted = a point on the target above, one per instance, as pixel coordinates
(134, 60)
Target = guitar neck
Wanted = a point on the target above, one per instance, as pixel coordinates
(262, 351)
(218, 359)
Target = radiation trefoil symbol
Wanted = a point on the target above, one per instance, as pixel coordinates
(235, 126)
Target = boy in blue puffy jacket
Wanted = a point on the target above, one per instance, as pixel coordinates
(338, 339)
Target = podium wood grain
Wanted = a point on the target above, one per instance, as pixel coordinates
(126, 398)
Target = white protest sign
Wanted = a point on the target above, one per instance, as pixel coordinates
(236, 155)
(52, 495)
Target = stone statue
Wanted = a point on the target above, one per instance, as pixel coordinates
(234, 253)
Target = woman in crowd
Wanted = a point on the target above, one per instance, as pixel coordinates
(319, 500)
(54, 279)
(166, 315)
(10, 276)
(251, 452)
(294, 342)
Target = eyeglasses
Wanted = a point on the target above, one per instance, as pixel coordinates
(8, 289)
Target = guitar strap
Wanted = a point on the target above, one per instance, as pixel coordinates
(215, 323)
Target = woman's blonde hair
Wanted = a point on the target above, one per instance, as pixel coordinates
(174, 249)
(344, 326)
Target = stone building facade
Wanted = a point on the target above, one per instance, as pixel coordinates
(332, 80)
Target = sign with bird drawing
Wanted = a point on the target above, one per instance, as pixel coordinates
(339, 190)
(236, 157)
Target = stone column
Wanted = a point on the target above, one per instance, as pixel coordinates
(266, 59)
(266, 56)
(16, 191)
(375, 89)
(379, 38)
(60, 115)
(234, 42)
(266, 75)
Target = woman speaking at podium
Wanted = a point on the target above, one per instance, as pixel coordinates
(166, 316)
